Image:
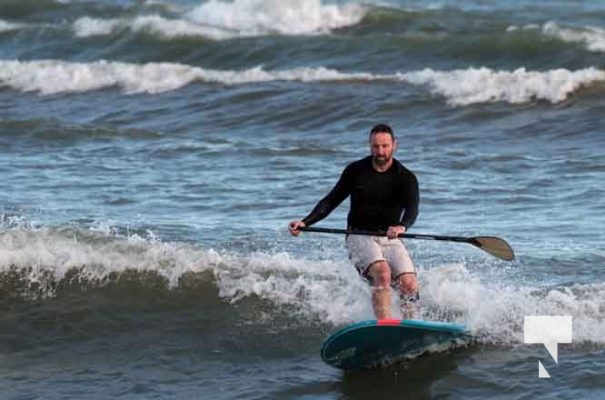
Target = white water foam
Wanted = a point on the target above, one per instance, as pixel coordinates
(46, 251)
(86, 26)
(153, 24)
(484, 85)
(6, 26)
(593, 38)
(14, 221)
(329, 290)
(315, 288)
(495, 310)
(460, 87)
(242, 18)
(289, 17)
(51, 76)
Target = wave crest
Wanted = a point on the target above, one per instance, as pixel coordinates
(290, 17)
(460, 87)
(219, 20)
(484, 85)
(131, 271)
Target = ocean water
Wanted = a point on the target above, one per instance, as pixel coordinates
(153, 152)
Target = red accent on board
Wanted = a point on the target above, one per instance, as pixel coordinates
(388, 322)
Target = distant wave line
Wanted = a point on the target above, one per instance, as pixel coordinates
(460, 87)
(592, 37)
(7, 26)
(241, 18)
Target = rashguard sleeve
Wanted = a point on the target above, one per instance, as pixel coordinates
(411, 199)
(332, 200)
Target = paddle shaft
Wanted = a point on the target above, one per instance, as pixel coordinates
(401, 235)
(490, 244)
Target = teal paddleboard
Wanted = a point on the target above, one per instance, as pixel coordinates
(375, 343)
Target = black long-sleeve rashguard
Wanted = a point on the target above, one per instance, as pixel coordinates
(378, 199)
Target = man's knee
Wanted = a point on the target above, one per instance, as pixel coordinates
(408, 284)
(380, 274)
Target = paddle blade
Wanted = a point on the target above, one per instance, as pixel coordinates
(494, 246)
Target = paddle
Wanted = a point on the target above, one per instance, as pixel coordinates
(493, 245)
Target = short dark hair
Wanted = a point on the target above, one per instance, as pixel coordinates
(382, 128)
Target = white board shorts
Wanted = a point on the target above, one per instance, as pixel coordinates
(366, 250)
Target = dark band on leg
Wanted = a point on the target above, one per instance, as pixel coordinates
(405, 273)
(366, 273)
(410, 298)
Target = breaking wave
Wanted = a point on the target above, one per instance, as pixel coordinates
(460, 87)
(45, 263)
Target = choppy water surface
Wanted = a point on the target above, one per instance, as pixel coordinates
(153, 152)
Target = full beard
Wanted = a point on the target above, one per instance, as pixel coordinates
(381, 160)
